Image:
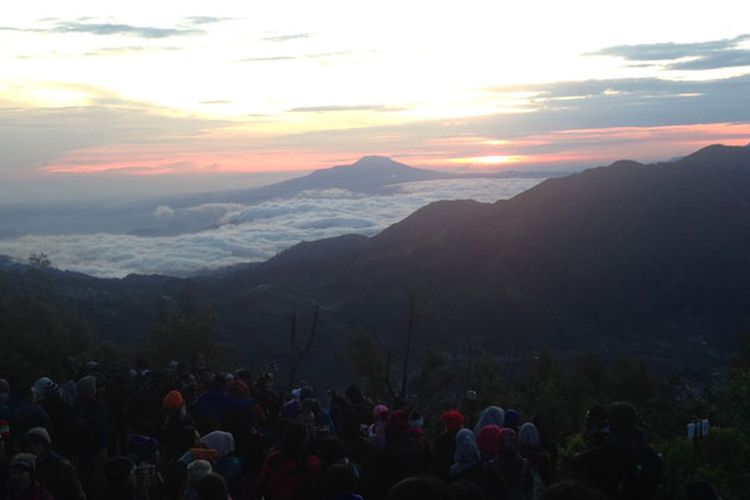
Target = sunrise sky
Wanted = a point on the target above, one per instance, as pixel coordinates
(195, 94)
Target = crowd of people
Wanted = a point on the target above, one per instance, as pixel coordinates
(187, 432)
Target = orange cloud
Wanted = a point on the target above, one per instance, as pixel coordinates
(216, 154)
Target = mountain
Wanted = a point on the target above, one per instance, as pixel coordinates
(369, 175)
(645, 258)
(649, 256)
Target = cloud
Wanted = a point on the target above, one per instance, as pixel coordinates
(268, 59)
(724, 59)
(251, 233)
(334, 108)
(114, 51)
(288, 57)
(200, 20)
(286, 38)
(33, 137)
(107, 29)
(713, 54)
(121, 29)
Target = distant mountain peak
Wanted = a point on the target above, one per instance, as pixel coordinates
(375, 161)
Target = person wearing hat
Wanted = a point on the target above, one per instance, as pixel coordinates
(445, 444)
(22, 484)
(48, 395)
(56, 473)
(175, 417)
(89, 435)
(26, 415)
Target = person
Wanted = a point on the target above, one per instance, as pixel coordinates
(47, 395)
(289, 472)
(445, 444)
(492, 415)
(376, 430)
(570, 490)
(119, 476)
(467, 464)
(338, 483)
(212, 487)
(22, 483)
(623, 465)
(175, 418)
(530, 447)
(88, 431)
(511, 419)
(210, 409)
(53, 471)
(26, 415)
(511, 474)
(487, 441)
(404, 455)
(419, 488)
(194, 472)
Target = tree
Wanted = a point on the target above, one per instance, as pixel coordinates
(364, 356)
(183, 330)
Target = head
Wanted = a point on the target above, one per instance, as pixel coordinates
(354, 394)
(239, 390)
(511, 419)
(398, 425)
(466, 490)
(291, 409)
(197, 470)
(453, 420)
(487, 441)
(337, 480)
(87, 388)
(21, 473)
(622, 418)
(419, 488)
(331, 449)
(415, 420)
(467, 450)
(506, 442)
(37, 441)
(492, 415)
(380, 413)
(294, 438)
(222, 442)
(570, 490)
(44, 388)
(528, 436)
(211, 487)
(119, 472)
(173, 402)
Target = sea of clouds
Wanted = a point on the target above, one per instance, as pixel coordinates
(251, 233)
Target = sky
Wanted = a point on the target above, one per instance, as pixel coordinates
(131, 98)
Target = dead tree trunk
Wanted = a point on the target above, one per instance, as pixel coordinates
(297, 353)
(408, 335)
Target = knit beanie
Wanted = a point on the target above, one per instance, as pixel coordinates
(38, 434)
(23, 461)
(44, 387)
(87, 385)
(197, 469)
(453, 420)
(173, 400)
